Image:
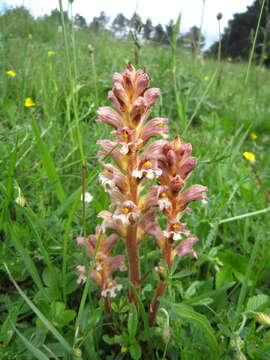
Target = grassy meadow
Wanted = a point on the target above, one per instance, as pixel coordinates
(217, 306)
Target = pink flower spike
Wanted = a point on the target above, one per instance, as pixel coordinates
(186, 247)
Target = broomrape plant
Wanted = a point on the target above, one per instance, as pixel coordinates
(143, 179)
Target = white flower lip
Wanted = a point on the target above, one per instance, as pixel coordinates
(87, 197)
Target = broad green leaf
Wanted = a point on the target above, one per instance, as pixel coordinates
(257, 303)
(189, 314)
(224, 276)
(135, 351)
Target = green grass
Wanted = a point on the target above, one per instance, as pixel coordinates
(42, 152)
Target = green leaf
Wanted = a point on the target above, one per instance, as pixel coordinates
(189, 314)
(135, 351)
(34, 350)
(224, 276)
(44, 320)
(16, 237)
(132, 321)
(257, 303)
(60, 314)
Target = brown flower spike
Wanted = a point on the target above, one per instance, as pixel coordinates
(135, 203)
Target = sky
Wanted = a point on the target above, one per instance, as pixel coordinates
(158, 11)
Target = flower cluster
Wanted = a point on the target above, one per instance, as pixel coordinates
(98, 248)
(143, 177)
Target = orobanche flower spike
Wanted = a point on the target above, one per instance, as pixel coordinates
(142, 179)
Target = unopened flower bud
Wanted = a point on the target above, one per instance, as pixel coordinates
(219, 16)
(166, 334)
(20, 200)
(77, 352)
(240, 356)
(263, 319)
(90, 49)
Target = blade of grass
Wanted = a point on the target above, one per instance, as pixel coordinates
(34, 350)
(47, 162)
(239, 217)
(42, 248)
(251, 262)
(28, 261)
(39, 314)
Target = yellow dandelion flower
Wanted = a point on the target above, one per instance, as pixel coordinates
(29, 102)
(265, 57)
(229, 59)
(206, 78)
(30, 36)
(253, 136)
(249, 156)
(51, 53)
(11, 73)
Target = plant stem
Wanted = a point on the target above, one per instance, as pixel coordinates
(131, 240)
(167, 252)
(155, 303)
(254, 42)
(133, 260)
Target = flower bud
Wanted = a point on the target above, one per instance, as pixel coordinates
(263, 319)
(20, 200)
(219, 16)
(166, 334)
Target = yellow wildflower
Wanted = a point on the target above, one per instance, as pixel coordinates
(229, 58)
(29, 102)
(253, 136)
(265, 57)
(11, 73)
(30, 36)
(206, 78)
(51, 53)
(249, 156)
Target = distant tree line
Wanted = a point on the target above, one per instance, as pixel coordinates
(20, 23)
(239, 35)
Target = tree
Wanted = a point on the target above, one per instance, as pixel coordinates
(120, 24)
(17, 22)
(148, 29)
(193, 39)
(169, 31)
(79, 21)
(239, 35)
(99, 23)
(159, 34)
